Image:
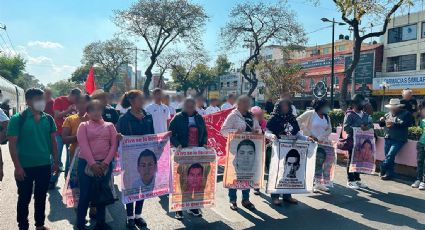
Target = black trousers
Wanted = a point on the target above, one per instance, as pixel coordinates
(37, 180)
(351, 176)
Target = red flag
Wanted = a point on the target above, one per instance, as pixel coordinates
(90, 85)
(215, 139)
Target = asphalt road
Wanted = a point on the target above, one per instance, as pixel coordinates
(386, 205)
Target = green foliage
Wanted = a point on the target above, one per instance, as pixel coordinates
(377, 115)
(12, 68)
(201, 77)
(380, 132)
(79, 76)
(62, 87)
(415, 133)
(26, 81)
(337, 117)
(180, 78)
(222, 65)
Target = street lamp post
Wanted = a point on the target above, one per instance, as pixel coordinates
(384, 85)
(333, 56)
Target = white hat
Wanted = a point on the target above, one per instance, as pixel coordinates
(395, 102)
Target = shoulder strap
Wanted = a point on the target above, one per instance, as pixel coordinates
(22, 118)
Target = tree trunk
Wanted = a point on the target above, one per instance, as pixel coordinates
(148, 74)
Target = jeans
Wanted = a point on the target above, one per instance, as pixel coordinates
(352, 176)
(233, 197)
(129, 208)
(85, 194)
(391, 148)
(420, 171)
(37, 180)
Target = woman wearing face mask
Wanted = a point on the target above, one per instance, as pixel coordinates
(317, 125)
(238, 121)
(283, 125)
(98, 144)
(136, 121)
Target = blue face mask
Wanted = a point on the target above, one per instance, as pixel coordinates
(326, 110)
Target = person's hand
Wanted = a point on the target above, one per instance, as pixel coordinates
(104, 167)
(19, 174)
(97, 170)
(55, 168)
(205, 146)
(389, 124)
(273, 137)
(179, 148)
(311, 138)
(120, 136)
(382, 119)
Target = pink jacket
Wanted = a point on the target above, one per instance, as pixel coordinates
(97, 141)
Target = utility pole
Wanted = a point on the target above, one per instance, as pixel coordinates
(353, 75)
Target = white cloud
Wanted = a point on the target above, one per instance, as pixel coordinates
(45, 44)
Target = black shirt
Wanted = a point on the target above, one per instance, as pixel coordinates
(269, 107)
(110, 115)
(410, 105)
(128, 124)
(249, 122)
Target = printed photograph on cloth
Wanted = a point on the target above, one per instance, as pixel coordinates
(244, 161)
(363, 157)
(145, 162)
(194, 173)
(292, 167)
(71, 189)
(325, 165)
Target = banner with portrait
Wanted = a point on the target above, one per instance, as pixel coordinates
(145, 166)
(325, 165)
(194, 173)
(244, 161)
(213, 122)
(363, 157)
(71, 190)
(292, 167)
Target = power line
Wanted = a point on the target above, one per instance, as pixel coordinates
(5, 45)
(10, 41)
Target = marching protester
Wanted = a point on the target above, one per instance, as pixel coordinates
(109, 112)
(316, 124)
(238, 121)
(166, 101)
(396, 122)
(49, 102)
(97, 140)
(32, 146)
(420, 147)
(200, 109)
(188, 130)
(63, 107)
(283, 125)
(287, 96)
(213, 107)
(160, 112)
(135, 121)
(355, 117)
(230, 102)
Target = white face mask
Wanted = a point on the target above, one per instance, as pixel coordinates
(39, 105)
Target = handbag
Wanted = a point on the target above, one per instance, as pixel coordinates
(345, 144)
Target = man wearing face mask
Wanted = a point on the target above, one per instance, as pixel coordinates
(31, 156)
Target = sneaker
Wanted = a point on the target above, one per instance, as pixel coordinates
(352, 185)
(178, 215)
(422, 186)
(362, 184)
(416, 184)
(130, 223)
(140, 222)
(320, 187)
(195, 212)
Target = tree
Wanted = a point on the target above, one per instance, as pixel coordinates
(62, 87)
(260, 24)
(165, 62)
(281, 78)
(12, 68)
(180, 78)
(27, 81)
(222, 65)
(356, 11)
(79, 76)
(160, 23)
(109, 55)
(200, 78)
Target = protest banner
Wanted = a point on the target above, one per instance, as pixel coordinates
(325, 165)
(363, 157)
(244, 161)
(194, 173)
(145, 162)
(71, 190)
(292, 167)
(218, 142)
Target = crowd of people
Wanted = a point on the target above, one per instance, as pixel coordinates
(38, 135)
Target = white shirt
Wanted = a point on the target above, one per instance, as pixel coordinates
(201, 111)
(121, 109)
(172, 110)
(226, 105)
(212, 109)
(160, 114)
(294, 110)
(3, 116)
(176, 105)
(318, 125)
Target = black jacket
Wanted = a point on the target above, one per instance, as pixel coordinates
(402, 121)
(179, 126)
(128, 124)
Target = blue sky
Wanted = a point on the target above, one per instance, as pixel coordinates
(51, 34)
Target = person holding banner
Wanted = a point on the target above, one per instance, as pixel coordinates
(213, 107)
(283, 124)
(355, 117)
(238, 121)
(98, 144)
(136, 121)
(188, 130)
(316, 124)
